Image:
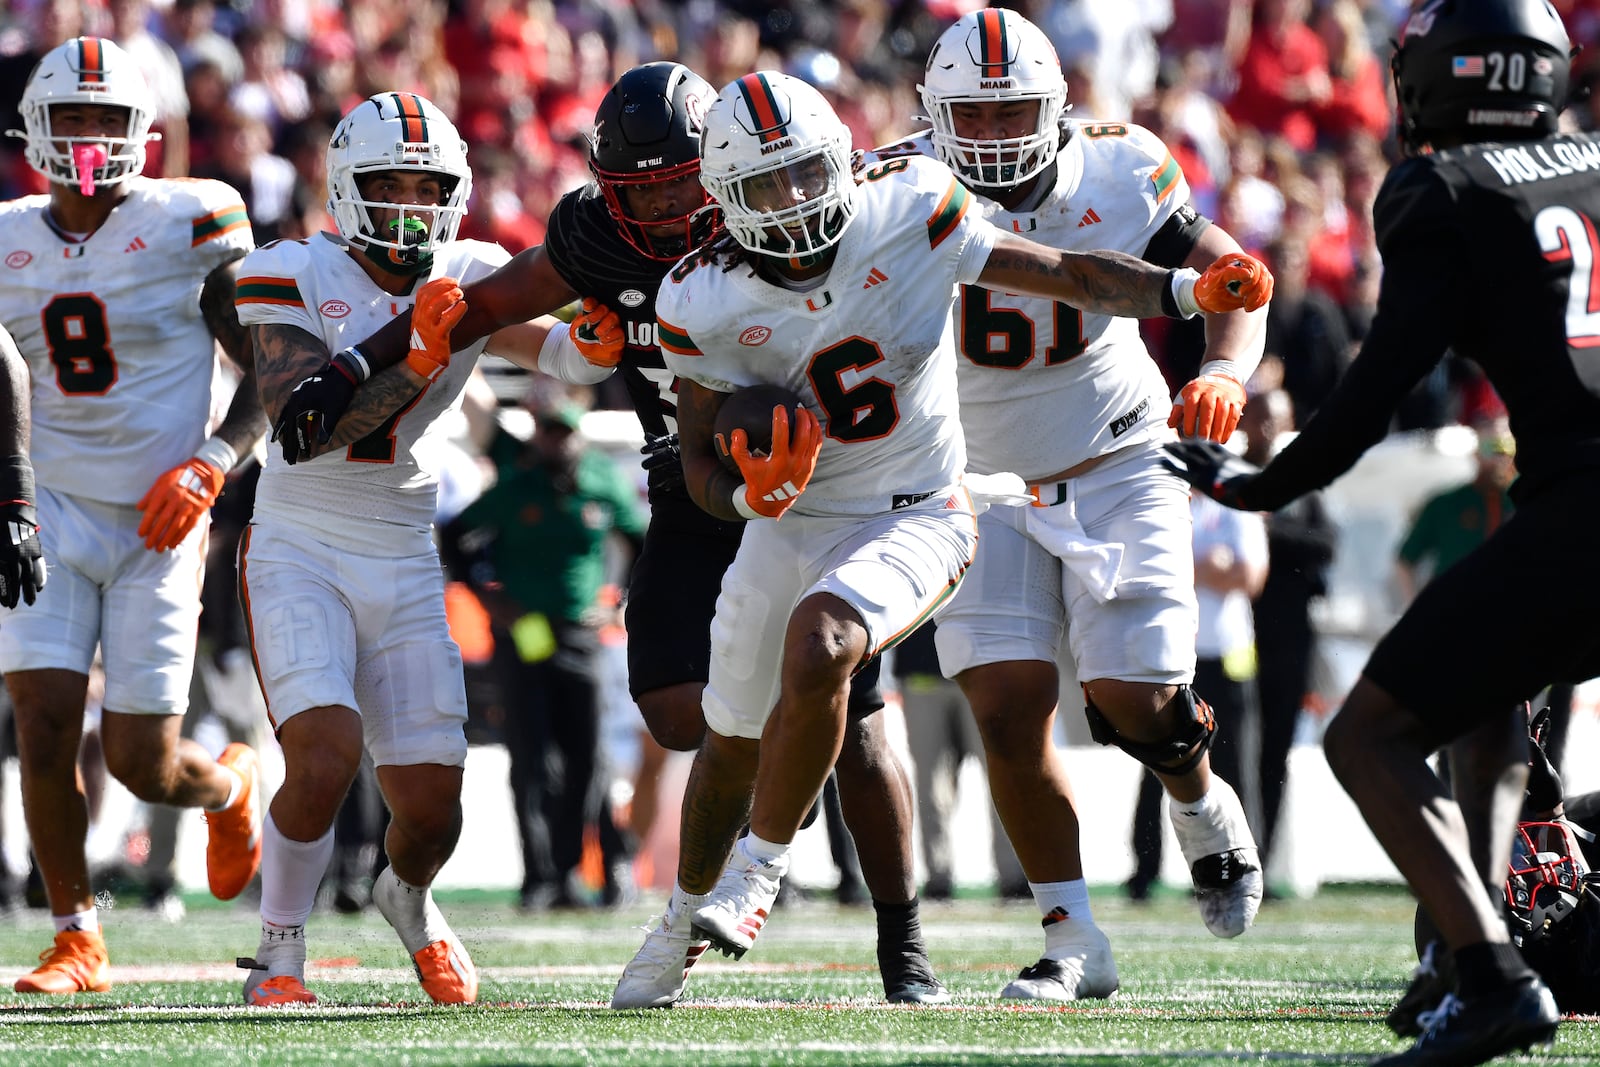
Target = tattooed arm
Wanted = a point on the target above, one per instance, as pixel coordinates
(245, 423)
(710, 484)
(1104, 282)
(285, 354)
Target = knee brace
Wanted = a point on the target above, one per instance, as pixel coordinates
(1179, 753)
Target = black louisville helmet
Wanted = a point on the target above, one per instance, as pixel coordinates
(647, 131)
(1481, 70)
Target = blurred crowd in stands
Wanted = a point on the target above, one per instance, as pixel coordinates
(1278, 110)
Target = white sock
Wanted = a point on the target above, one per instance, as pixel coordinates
(1071, 897)
(1201, 806)
(681, 902)
(290, 874)
(282, 951)
(87, 921)
(411, 911)
(763, 851)
(235, 786)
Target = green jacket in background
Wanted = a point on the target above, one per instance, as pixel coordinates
(549, 546)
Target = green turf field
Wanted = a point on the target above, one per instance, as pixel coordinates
(1308, 985)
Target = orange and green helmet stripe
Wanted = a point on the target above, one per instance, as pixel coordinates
(994, 58)
(757, 93)
(91, 61)
(415, 122)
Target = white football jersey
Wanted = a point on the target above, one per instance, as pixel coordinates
(122, 364)
(869, 349)
(379, 491)
(1045, 386)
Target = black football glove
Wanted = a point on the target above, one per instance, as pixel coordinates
(22, 569)
(313, 410)
(1544, 782)
(662, 461)
(1212, 469)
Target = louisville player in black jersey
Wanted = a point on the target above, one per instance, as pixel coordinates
(612, 242)
(1490, 248)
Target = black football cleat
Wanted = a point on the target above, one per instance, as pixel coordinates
(1434, 977)
(1460, 1033)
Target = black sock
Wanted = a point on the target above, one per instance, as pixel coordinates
(901, 951)
(1487, 966)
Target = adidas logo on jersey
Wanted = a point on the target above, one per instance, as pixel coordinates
(875, 277)
(134, 245)
(1089, 219)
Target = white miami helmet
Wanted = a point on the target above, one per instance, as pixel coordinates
(776, 159)
(397, 131)
(994, 55)
(86, 70)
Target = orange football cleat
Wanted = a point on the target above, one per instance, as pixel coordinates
(233, 844)
(279, 992)
(77, 964)
(446, 973)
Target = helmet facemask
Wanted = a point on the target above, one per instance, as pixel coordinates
(666, 238)
(988, 57)
(1545, 880)
(86, 71)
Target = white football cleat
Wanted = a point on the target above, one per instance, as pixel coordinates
(1085, 970)
(738, 907)
(1223, 862)
(659, 971)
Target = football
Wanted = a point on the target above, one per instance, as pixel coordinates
(750, 409)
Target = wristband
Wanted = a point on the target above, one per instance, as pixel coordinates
(741, 505)
(218, 453)
(1177, 299)
(559, 357)
(16, 481)
(353, 363)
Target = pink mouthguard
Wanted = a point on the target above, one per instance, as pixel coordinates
(87, 158)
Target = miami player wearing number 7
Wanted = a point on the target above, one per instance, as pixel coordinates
(839, 288)
(340, 579)
(117, 291)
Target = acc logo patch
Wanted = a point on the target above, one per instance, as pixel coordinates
(630, 298)
(19, 259)
(334, 309)
(755, 335)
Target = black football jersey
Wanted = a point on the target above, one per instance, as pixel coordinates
(587, 250)
(1489, 250)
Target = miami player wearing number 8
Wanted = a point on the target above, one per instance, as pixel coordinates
(338, 572)
(1070, 400)
(838, 289)
(118, 290)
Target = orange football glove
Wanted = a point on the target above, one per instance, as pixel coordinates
(437, 309)
(176, 501)
(773, 483)
(597, 334)
(1237, 280)
(1208, 407)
